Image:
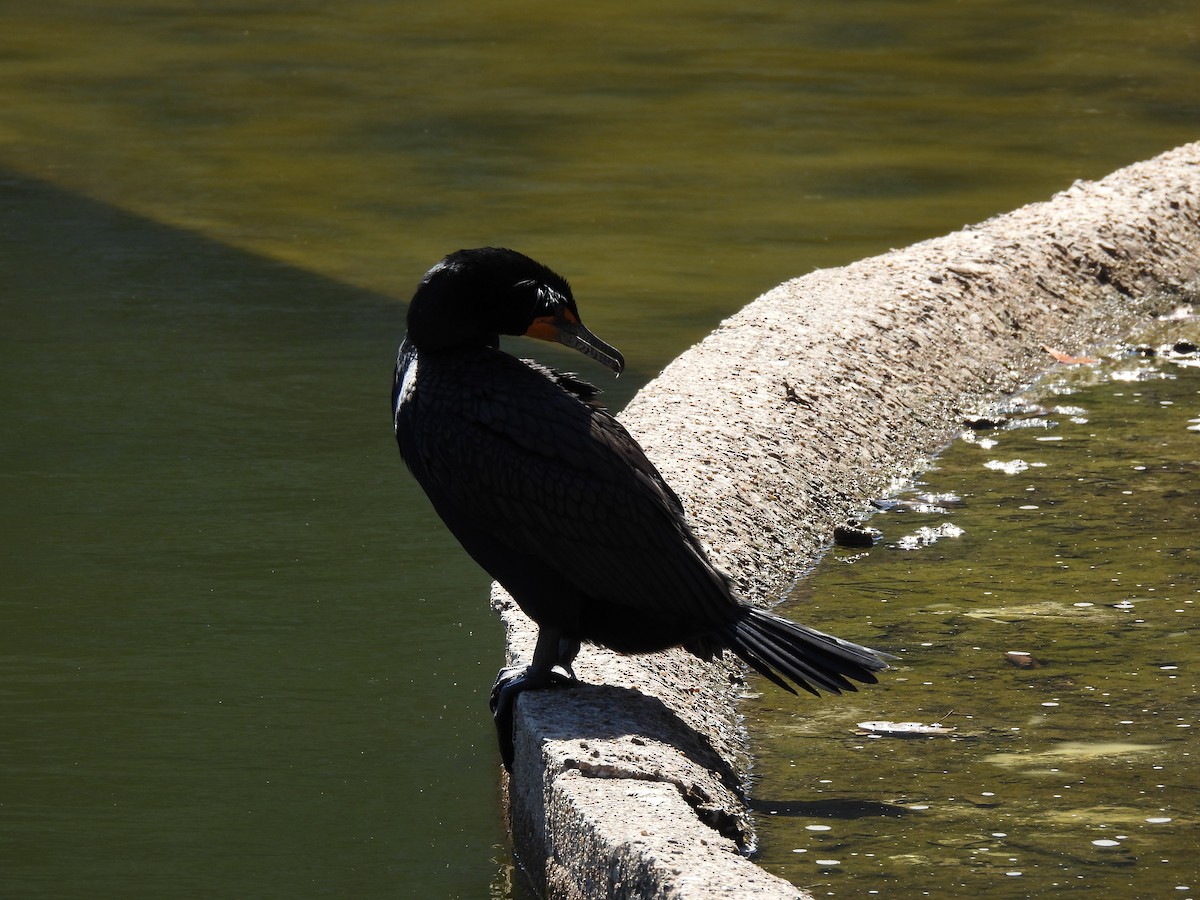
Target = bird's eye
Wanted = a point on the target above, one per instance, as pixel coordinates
(549, 301)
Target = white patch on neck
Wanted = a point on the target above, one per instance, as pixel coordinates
(409, 384)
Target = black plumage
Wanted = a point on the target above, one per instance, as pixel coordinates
(552, 496)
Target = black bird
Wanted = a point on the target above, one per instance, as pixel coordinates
(553, 497)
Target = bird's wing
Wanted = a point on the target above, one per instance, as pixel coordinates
(551, 477)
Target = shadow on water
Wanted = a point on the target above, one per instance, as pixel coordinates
(233, 660)
(829, 809)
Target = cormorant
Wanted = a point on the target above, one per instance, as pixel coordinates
(553, 497)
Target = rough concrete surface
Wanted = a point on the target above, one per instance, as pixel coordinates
(783, 422)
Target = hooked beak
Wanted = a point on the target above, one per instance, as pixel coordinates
(565, 328)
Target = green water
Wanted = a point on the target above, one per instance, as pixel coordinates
(1045, 618)
(239, 655)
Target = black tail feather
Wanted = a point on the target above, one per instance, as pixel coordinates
(778, 649)
(786, 664)
(746, 650)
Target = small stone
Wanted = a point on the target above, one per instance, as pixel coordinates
(854, 534)
(984, 423)
(1023, 659)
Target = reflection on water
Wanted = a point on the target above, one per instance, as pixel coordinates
(1049, 641)
(240, 655)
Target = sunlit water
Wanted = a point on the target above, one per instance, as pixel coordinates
(240, 656)
(1043, 597)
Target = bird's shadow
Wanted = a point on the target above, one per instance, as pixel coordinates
(619, 732)
(847, 808)
(602, 712)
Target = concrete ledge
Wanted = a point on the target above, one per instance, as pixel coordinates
(780, 424)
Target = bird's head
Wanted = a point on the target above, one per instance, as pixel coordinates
(472, 296)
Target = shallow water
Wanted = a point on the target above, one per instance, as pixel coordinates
(240, 655)
(1046, 643)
